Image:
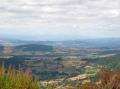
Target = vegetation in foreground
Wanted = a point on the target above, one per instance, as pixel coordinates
(12, 79)
(108, 80)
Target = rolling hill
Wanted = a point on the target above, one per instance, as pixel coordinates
(34, 47)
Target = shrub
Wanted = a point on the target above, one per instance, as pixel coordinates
(12, 79)
(108, 80)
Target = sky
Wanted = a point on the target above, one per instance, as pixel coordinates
(59, 19)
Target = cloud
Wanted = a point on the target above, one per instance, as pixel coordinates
(60, 16)
(27, 11)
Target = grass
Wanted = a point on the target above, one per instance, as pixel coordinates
(12, 79)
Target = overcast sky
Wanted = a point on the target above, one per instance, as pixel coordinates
(59, 19)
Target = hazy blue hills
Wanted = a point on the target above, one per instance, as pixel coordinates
(34, 47)
(1, 47)
(86, 43)
(104, 42)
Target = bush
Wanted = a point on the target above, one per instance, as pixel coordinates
(108, 80)
(12, 79)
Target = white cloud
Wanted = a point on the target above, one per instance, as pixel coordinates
(53, 10)
(86, 14)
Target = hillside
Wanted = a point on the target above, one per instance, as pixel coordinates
(50, 67)
(1, 47)
(34, 47)
(109, 62)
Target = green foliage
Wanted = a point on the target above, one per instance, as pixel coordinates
(12, 79)
(109, 62)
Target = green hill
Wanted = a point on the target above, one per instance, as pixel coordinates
(110, 62)
(34, 47)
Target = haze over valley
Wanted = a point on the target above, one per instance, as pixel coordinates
(50, 60)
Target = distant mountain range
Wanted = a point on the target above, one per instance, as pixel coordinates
(85, 43)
